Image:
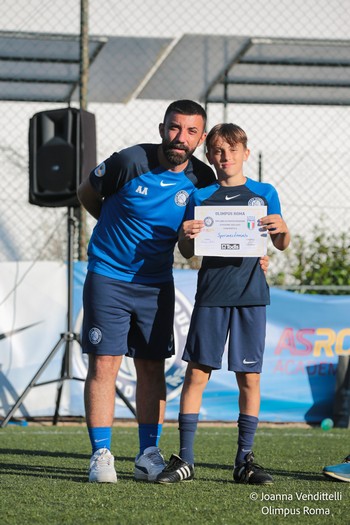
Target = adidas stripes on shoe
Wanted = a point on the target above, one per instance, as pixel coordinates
(177, 470)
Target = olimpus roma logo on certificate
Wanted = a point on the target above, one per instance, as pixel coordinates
(231, 231)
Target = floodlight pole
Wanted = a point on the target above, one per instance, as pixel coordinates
(84, 65)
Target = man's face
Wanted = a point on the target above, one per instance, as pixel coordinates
(181, 135)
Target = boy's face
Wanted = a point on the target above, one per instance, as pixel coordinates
(226, 158)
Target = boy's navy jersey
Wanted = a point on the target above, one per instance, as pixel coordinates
(143, 208)
(233, 281)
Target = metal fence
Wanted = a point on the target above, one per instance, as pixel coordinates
(277, 68)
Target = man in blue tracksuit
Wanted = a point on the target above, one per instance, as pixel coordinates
(139, 198)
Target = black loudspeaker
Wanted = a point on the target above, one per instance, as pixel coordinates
(62, 152)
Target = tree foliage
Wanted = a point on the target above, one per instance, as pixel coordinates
(323, 261)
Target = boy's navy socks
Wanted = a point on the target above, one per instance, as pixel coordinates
(100, 437)
(187, 427)
(149, 435)
(247, 426)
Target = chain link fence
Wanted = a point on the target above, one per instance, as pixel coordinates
(147, 54)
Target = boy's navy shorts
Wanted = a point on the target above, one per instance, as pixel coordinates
(244, 329)
(122, 318)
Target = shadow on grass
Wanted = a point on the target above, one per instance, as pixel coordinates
(49, 453)
(292, 474)
(44, 453)
(77, 475)
(53, 471)
(44, 471)
(298, 475)
(80, 474)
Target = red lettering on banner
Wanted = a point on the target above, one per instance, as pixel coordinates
(299, 367)
(289, 367)
(287, 341)
(293, 366)
(308, 344)
(278, 367)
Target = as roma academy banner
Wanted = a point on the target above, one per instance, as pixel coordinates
(305, 336)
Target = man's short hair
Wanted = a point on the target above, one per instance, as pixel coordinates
(186, 107)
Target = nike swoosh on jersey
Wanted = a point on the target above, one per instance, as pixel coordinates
(163, 184)
(228, 198)
(245, 362)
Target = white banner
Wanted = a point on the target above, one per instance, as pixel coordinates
(306, 334)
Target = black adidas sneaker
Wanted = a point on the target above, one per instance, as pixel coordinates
(176, 470)
(250, 472)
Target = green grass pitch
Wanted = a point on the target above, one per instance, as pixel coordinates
(43, 479)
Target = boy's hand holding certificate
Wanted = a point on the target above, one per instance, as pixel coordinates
(231, 231)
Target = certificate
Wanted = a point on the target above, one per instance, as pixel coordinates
(231, 231)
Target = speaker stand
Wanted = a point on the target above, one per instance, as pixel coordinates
(67, 339)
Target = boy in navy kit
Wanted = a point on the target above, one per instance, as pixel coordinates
(231, 298)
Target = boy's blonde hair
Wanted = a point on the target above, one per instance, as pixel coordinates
(231, 133)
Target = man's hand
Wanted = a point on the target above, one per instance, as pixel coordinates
(264, 263)
(190, 229)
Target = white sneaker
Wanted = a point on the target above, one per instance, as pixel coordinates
(102, 467)
(149, 464)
